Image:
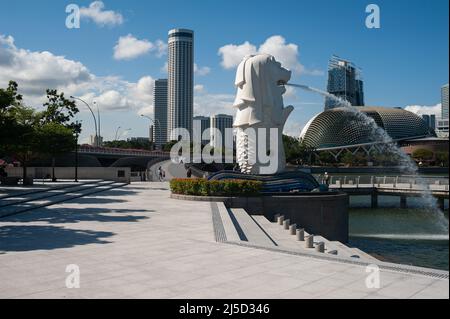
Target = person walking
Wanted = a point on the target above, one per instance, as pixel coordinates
(327, 179)
(189, 173)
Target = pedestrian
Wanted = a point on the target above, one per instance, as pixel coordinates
(189, 173)
(327, 179)
(3, 173)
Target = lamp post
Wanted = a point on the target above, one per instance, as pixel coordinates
(98, 119)
(93, 115)
(117, 132)
(76, 154)
(155, 122)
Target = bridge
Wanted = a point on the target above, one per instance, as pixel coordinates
(120, 152)
(400, 186)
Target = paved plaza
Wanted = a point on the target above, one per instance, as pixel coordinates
(136, 242)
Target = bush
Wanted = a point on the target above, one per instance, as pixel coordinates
(203, 187)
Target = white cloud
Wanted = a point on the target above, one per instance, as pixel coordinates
(292, 128)
(199, 88)
(101, 17)
(423, 109)
(161, 47)
(37, 71)
(129, 47)
(286, 53)
(233, 54)
(208, 104)
(201, 70)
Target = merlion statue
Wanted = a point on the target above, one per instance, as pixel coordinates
(260, 83)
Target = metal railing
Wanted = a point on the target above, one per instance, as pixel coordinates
(119, 151)
(397, 182)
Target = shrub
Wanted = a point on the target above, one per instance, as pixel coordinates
(203, 187)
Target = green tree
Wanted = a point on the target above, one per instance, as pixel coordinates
(326, 158)
(423, 154)
(348, 158)
(297, 152)
(21, 140)
(55, 139)
(56, 120)
(442, 159)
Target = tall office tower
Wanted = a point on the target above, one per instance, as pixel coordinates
(205, 124)
(444, 101)
(344, 81)
(160, 123)
(181, 80)
(430, 120)
(221, 122)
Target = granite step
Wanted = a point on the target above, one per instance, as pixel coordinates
(248, 229)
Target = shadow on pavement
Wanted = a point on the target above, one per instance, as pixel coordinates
(29, 238)
(76, 215)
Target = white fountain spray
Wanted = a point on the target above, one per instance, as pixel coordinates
(387, 145)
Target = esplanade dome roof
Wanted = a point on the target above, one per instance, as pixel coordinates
(342, 127)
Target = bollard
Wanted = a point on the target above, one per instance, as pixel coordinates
(275, 218)
(286, 224)
(309, 241)
(293, 229)
(320, 248)
(300, 234)
(280, 220)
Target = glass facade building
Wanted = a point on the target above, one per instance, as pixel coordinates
(345, 82)
(159, 133)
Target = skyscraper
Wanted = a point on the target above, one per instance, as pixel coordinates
(205, 124)
(160, 123)
(430, 119)
(344, 81)
(444, 101)
(181, 80)
(220, 122)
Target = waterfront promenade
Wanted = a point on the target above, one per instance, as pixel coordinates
(136, 242)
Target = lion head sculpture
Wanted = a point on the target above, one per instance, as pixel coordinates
(260, 89)
(259, 105)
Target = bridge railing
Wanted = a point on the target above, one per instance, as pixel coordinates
(118, 151)
(398, 182)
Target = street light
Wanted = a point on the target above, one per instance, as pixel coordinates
(93, 115)
(117, 132)
(98, 118)
(76, 154)
(156, 123)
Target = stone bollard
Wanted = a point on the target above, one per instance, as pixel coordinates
(286, 224)
(293, 229)
(320, 248)
(275, 218)
(309, 241)
(280, 220)
(300, 234)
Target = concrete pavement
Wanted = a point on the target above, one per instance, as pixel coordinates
(136, 242)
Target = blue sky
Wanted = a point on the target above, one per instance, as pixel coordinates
(405, 62)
